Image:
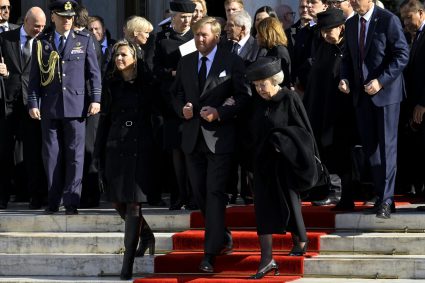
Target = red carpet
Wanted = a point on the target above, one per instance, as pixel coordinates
(181, 265)
(193, 240)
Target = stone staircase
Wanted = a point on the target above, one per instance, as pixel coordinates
(87, 247)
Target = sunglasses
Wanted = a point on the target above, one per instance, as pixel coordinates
(8, 7)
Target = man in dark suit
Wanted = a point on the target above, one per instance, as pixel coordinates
(97, 26)
(4, 17)
(413, 14)
(16, 125)
(71, 60)
(375, 55)
(204, 80)
(240, 42)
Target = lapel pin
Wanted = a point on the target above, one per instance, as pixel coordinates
(46, 47)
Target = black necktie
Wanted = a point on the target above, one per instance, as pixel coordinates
(235, 48)
(26, 50)
(202, 75)
(362, 38)
(61, 44)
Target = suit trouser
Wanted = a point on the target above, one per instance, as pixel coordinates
(63, 158)
(37, 186)
(208, 174)
(378, 129)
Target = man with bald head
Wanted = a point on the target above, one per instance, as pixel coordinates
(4, 17)
(15, 124)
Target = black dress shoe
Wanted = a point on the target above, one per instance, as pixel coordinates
(51, 210)
(228, 243)
(272, 266)
(71, 210)
(297, 250)
(384, 211)
(326, 201)
(232, 199)
(376, 207)
(207, 263)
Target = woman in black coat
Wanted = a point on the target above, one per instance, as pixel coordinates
(277, 201)
(330, 111)
(124, 147)
(272, 41)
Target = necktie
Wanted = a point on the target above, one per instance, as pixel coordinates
(61, 44)
(202, 75)
(235, 48)
(362, 38)
(2, 29)
(26, 50)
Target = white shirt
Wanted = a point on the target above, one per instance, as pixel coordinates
(23, 39)
(242, 42)
(210, 57)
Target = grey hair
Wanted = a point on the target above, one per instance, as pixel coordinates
(242, 18)
(277, 79)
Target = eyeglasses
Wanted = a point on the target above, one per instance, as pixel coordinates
(8, 7)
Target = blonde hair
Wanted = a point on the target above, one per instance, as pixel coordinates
(131, 48)
(271, 33)
(203, 4)
(215, 25)
(137, 24)
(240, 2)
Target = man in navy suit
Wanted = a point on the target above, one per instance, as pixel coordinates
(375, 54)
(63, 61)
(205, 79)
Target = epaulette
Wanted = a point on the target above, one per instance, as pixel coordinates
(82, 33)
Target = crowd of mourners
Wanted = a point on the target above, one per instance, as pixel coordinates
(211, 109)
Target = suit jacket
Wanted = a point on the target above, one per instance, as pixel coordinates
(225, 79)
(249, 51)
(65, 96)
(413, 74)
(386, 55)
(16, 85)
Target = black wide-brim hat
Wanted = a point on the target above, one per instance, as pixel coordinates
(182, 6)
(330, 18)
(64, 8)
(263, 68)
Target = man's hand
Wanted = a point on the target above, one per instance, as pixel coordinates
(373, 87)
(418, 114)
(209, 113)
(3, 68)
(230, 101)
(344, 86)
(94, 108)
(188, 111)
(35, 113)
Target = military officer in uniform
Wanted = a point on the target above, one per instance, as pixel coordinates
(64, 60)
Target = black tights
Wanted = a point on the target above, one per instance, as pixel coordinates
(130, 209)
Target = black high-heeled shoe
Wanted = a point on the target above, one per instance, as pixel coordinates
(272, 265)
(297, 250)
(147, 241)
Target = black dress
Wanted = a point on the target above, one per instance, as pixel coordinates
(124, 143)
(277, 210)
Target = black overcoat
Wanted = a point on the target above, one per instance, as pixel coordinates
(124, 140)
(271, 205)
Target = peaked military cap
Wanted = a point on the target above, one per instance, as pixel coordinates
(182, 6)
(263, 68)
(330, 18)
(64, 8)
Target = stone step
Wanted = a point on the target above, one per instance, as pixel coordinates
(366, 266)
(81, 265)
(73, 243)
(373, 243)
(89, 220)
(405, 219)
